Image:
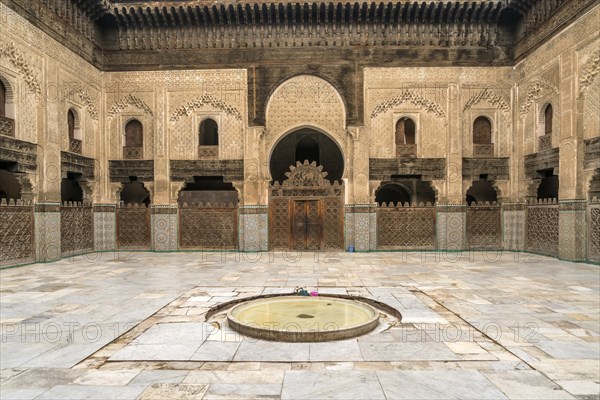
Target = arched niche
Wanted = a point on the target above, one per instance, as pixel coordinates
(3, 93)
(548, 119)
(549, 186)
(482, 130)
(406, 131)
(481, 191)
(134, 192)
(10, 188)
(70, 189)
(208, 189)
(299, 144)
(405, 189)
(393, 193)
(208, 133)
(7, 99)
(74, 124)
(134, 140)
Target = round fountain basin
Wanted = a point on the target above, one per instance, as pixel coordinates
(303, 319)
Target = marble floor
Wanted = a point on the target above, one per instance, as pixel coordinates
(133, 326)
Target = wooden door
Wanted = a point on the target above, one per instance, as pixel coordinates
(307, 225)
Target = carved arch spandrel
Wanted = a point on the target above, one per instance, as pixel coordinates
(305, 101)
(128, 101)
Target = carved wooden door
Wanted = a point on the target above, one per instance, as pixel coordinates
(307, 225)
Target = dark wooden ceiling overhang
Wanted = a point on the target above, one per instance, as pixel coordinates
(173, 14)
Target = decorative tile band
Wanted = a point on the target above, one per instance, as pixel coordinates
(513, 206)
(253, 210)
(164, 210)
(572, 205)
(360, 208)
(105, 208)
(47, 207)
(452, 208)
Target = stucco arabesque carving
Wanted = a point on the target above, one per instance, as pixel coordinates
(534, 93)
(82, 92)
(411, 97)
(589, 72)
(206, 99)
(20, 63)
(493, 98)
(129, 100)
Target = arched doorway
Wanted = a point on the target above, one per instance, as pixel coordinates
(310, 145)
(306, 199)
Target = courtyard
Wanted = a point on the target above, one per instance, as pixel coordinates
(132, 325)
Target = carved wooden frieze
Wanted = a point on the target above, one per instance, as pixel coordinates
(592, 153)
(541, 161)
(78, 164)
(24, 154)
(185, 170)
(495, 168)
(430, 169)
(120, 170)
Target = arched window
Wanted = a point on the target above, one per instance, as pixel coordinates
(482, 131)
(7, 124)
(545, 129)
(405, 131)
(208, 139)
(2, 99)
(548, 120)
(209, 133)
(405, 137)
(74, 131)
(134, 139)
(71, 123)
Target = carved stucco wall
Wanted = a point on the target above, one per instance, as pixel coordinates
(424, 94)
(174, 103)
(123, 107)
(588, 90)
(564, 72)
(443, 102)
(302, 101)
(44, 80)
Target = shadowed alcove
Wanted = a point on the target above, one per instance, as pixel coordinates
(306, 144)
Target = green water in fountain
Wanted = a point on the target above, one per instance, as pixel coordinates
(304, 314)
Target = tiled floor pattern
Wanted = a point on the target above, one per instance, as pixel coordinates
(474, 326)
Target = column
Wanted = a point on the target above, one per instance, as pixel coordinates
(514, 218)
(105, 227)
(47, 231)
(451, 226)
(164, 225)
(253, 222)
(572, 226)
(361, 227)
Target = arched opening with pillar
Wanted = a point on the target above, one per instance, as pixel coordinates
(208, 214)
(306, 196)
(484, 215)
